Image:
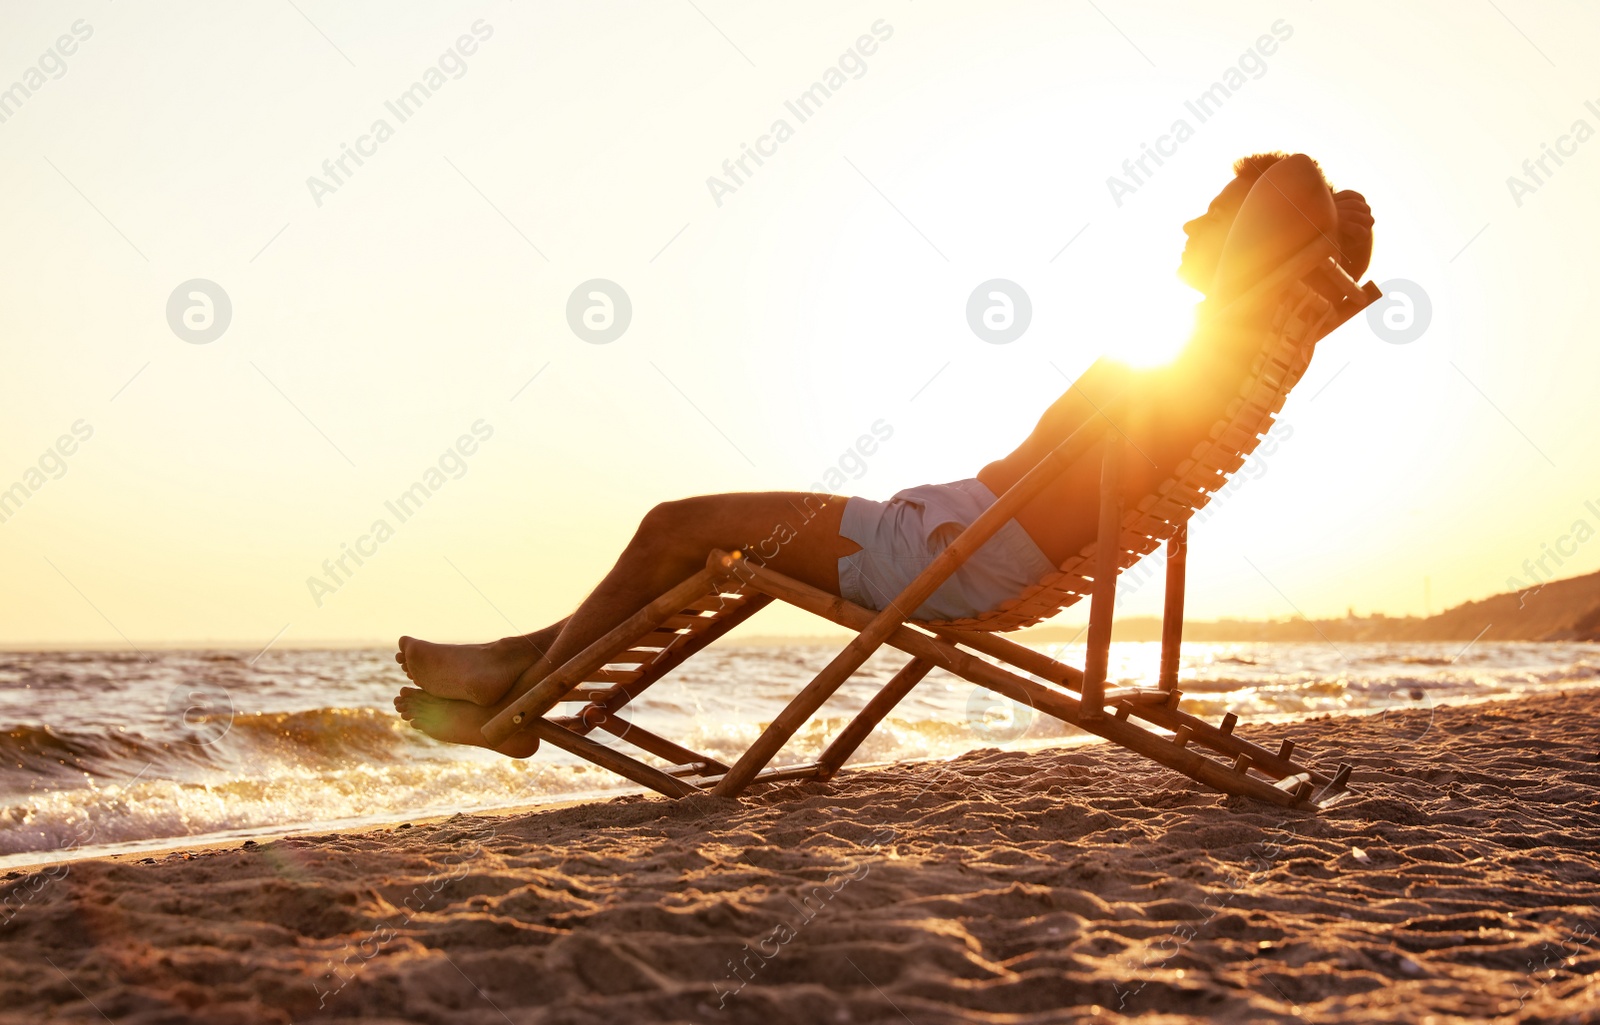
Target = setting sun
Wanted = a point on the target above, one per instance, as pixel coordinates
(1141, 325)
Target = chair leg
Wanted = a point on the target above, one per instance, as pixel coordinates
(882, 703)
(1172, 613)
(1107, 563)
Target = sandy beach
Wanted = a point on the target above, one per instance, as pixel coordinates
(1459, 883)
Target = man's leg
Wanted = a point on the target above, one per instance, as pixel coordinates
(795, 533)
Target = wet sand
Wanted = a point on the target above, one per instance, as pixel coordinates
(1460, 882)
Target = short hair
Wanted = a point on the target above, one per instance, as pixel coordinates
(1255, 165)
(1353, 240)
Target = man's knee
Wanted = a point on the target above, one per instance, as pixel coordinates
(671, 524)
(658, 522)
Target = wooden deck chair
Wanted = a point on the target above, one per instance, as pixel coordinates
(1291, 310)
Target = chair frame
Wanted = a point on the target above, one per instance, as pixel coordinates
(730, 589)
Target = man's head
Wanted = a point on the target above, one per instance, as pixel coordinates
(1207, 233)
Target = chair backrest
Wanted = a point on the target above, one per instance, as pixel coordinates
(1291, 310)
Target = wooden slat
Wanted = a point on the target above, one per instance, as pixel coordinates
(1294, 784)
(716, 603)
(614, 676)
(588, 692)
(1154, 526)
(1134, 546)
(1175, 491)
(635, 656)
(1134, 695)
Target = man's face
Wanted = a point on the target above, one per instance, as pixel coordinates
(1206, 234)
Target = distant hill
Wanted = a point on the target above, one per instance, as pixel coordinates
(1562, 610)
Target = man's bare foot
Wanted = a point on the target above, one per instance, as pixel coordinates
(457, 722)
(479, 673)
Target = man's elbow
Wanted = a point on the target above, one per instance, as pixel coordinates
(1300, 180)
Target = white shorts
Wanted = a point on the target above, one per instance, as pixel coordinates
(900, 537)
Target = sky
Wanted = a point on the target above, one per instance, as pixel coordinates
(190, 455)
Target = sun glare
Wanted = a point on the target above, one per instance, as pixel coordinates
(1140, 325)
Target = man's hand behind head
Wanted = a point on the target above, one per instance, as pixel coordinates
(1354, 231)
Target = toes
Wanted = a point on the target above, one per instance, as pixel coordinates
(406, 702)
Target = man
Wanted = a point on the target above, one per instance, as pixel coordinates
(868, 551)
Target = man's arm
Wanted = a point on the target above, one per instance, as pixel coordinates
(1287, 207)
(1104, 381)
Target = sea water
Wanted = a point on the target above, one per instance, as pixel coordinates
(111, 751)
